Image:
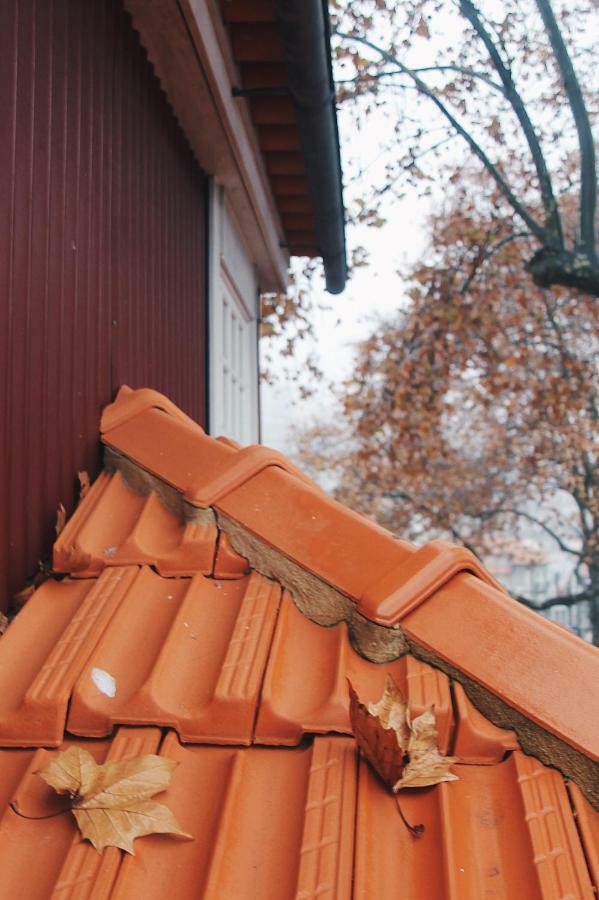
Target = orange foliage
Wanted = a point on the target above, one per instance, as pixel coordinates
(477, 401)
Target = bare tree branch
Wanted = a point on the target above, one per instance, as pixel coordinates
(553, 222)
(564, 600)
(588, 184)
(530, 518)
(534, 226)
(463, 70)
(389, 73)
(402, 495)
(491, 251)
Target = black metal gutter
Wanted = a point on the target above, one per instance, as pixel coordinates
(305, 32)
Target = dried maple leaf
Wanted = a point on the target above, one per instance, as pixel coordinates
(43, 573)
(61, 518)
(111, 802)
(20, 599)
(404, 752)
(71, 558)
(84, 484)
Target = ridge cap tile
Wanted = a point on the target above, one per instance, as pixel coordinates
(515, 654)
(412, 581)
(129, 403)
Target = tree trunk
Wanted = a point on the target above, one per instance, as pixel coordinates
(594, 608)
(595, 620)
(551, 266)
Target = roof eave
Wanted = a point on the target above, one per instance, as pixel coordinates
(193, 62)
(305, 35)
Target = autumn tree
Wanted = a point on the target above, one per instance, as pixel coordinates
(510, 83)
(477, 406)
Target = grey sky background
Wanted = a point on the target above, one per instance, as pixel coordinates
(376, 290)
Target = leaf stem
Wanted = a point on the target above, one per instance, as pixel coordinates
(415, 830)
(15, 809)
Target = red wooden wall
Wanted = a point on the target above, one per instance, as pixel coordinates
(102, 254)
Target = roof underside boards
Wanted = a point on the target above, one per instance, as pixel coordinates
(276, 150)
(282, 51)
(258, 51)
(224, 675)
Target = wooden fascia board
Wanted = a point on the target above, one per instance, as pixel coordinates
(188, 56)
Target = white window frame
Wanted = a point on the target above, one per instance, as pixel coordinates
(233, 329)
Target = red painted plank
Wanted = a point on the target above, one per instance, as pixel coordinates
(102, 259)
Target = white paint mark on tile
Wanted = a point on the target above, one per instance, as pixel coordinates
(104, 681)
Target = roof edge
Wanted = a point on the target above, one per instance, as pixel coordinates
(305, 33)
(194, 67)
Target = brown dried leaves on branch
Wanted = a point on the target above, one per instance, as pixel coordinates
(61, 519)
(111, 802)
(403, 751)
(84, 484)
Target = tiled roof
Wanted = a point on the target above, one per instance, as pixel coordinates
(160, 637)
(525, 672)
(307, 822)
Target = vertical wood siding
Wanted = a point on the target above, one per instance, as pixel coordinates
(102, 254)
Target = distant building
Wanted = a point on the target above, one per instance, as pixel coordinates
(537, 569)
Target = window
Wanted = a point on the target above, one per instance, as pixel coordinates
(233, 331)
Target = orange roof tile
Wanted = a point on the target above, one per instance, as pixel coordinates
(169, 632)
(228, 563)
(303, 822)
(318, 702)
(44, 650)
(200, 651)
(219, 637)
(72, 646)
(116, 527)
(47, 858)
(587, 820)
(477, 740)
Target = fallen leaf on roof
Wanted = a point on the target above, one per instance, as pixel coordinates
(84, 484)
(61, 518)
(111, 802)
(20, 599)
(44, 571)
(71, 558)
(404, 752)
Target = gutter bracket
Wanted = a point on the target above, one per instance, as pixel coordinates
(275, 91)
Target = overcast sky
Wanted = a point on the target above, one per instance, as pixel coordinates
(374, 290)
